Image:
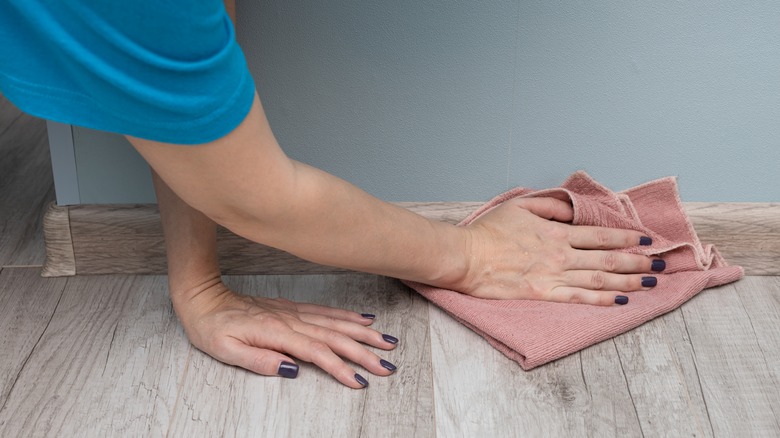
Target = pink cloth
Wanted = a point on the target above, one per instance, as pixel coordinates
(536, 332)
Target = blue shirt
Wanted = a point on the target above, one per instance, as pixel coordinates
(165, 70)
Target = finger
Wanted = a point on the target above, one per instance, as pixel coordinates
(587, 237)
(547, 208)
(260, 360)
(600, 280)
(353, 330)
(321, 354)
(576, 295)
(346, 315)
(347, 348)
(610, 261)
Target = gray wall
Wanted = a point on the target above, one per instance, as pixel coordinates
(459, 100)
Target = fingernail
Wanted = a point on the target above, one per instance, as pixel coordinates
(368, 315)
(390, 339)
(621, 299)
(658, 265)
(387, 365)
(649, 281)
(362, 380)
(645, 241)
(288, 370)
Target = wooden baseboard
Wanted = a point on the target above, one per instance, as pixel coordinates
(128, 239)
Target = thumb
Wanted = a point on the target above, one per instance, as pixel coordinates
(547, 208)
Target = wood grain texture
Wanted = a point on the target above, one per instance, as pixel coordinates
(109, 363)
(480, 392)
(216, 400)
(99, 356)
(26, 186)
(128, 239)
(27, 304)
(735, 340)
(667, 398)
(60, 258)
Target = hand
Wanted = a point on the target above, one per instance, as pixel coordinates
(523, 250)
(254, 333)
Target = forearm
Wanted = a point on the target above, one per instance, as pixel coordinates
(327, 220)
(191, 245)
(245, 182)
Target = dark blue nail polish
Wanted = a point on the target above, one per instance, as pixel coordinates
(645, 241)
(288, 370)
(387, 365)
(368, 315)
(362, 380)
(621, 299)
(390, 339)
(658, 265)
(649, 281)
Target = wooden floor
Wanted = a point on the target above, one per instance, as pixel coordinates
(104, 356)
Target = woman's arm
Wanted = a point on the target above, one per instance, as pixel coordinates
(250, 332)
(246, 183)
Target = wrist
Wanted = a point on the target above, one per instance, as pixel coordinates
(196, 295)
(456, 261)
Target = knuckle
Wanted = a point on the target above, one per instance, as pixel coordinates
(610, 262)
(558, 231)
(332, 336)
(538, 292)
(598, 280)
(259, 364)
(602, 238)
(273, 324)
(319, 349)
(559, 258)
(576, 298)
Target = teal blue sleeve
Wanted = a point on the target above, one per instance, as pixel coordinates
(165, 70)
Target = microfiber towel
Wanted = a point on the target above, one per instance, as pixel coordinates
(537, 332)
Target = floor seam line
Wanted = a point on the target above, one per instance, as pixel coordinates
(32, 350)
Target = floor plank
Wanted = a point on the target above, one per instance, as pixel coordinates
(26, 186)
(736, 351)
(479, 392)
(224, 401)
(108, 364)
(27, 304)
(666, 396)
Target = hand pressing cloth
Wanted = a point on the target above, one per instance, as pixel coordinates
(536, 332)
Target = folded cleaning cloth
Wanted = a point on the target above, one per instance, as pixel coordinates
(536, 332)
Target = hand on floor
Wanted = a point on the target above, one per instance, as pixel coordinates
(255, 333)
(522, 249)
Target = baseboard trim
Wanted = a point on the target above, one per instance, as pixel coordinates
(128, 239)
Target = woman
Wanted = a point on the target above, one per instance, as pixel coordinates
(171, 78)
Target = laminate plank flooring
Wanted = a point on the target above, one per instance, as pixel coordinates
(105, 356)
(26, 186)
(109, 363)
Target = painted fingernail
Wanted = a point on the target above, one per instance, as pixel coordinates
(649, 281)
(390, 339)
(387, 365)
(368, 315)
(288, 370)
(362, 380)
(621, 299)
(645, 241)
(658, 265)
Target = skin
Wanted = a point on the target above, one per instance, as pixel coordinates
(522, 249)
